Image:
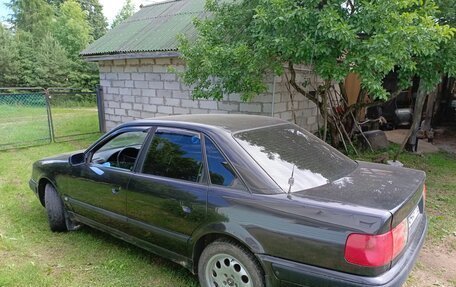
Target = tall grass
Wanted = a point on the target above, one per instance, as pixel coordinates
(31, 255)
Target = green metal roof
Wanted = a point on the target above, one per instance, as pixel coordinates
(154, 28)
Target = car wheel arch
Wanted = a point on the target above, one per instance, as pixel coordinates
(41, 188)
(207, 238)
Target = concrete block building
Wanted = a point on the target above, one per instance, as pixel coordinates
(135, 59)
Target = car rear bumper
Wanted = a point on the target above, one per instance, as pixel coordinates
(288, 273)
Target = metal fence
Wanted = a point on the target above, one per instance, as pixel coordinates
(35, 116)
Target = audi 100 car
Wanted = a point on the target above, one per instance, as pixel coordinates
(241, 201)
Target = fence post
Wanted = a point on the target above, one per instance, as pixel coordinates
(49, 112)
(101, 111)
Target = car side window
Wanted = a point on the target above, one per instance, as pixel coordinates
(175, 154)
(220, 171)
(121, 151)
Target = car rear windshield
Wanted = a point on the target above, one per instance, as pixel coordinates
(294, 158)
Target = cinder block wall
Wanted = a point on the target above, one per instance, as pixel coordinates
(144, 88)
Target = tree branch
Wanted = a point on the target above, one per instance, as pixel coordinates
(299, 88)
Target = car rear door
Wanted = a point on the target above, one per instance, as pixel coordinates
(96, 191)
(166, 198)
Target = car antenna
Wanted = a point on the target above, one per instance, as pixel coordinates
(291, 182)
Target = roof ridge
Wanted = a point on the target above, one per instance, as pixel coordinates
(163, 16)
(159, 3)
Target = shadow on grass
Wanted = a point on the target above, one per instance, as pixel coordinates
(147, 257)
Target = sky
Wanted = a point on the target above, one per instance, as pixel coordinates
(110, 7)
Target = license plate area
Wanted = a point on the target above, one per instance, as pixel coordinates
(413, 216)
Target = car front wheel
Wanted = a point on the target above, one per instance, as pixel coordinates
(57, 216)
(226, 264)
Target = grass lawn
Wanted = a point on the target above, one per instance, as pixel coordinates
(31, 255)
(27, 126)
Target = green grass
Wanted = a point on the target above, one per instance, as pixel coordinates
(31, 255)
(26, 126)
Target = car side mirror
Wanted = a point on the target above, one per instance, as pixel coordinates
(77, 159)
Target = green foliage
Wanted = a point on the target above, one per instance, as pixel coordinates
(94, 10)
(51, 64)
(72, 28)
(95, 16)
(42, 48)
(447, 12)
(9, 55)
(127, 10)
(243, 40)
(34, 16)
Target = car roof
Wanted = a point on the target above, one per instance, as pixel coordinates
(229, 122)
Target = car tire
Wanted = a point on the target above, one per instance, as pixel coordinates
(55, 209)
(225, 263)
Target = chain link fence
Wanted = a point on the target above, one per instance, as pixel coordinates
(24, 118)
(36, 116)
(75, 113)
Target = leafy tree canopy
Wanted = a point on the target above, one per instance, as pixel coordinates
(127, 10)
(95, 15)
(447, 12)
(96, 18)
(72, 28)
(8, 57)
(42, 48)
(34, 16)
(243, 40)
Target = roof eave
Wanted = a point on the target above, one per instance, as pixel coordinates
(123, 56)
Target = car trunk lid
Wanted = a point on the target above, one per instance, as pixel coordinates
(394, 189)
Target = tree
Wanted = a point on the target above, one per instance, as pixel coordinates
(431, 69)
(9, 57)
(127, 10)
(26, 47)
(52, 64)
(42, 50)
(95, 15)
(447, 12)
(34, 16)
(96, 18)
(73, 32)
(71, 28)
(244, 40)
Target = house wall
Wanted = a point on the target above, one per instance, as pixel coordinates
(145, 88)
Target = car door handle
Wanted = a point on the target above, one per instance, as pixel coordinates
(115, 190)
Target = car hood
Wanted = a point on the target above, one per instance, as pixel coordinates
(371, 185)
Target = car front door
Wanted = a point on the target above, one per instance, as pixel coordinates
(166, 198)
(97, 190)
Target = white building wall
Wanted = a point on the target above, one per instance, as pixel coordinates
(145, 88)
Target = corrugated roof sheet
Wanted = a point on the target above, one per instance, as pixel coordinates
(154, 28)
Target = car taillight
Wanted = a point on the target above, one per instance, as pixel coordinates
(376, 250)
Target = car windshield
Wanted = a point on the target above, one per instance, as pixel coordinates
(287, 151)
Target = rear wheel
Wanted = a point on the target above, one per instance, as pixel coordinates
(57, 216)
(226, 264)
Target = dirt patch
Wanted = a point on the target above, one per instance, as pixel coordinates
(446, 139)
(436, 266)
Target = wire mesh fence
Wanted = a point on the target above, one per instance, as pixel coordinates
(24, 118)
(35, 116)
(74, 113)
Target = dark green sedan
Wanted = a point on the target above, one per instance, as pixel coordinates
(241, 201)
